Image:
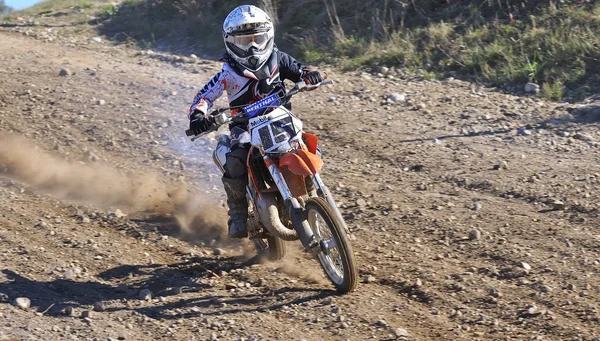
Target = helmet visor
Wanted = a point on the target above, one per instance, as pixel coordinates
(246, 41)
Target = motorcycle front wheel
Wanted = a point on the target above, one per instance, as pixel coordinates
(336, 255)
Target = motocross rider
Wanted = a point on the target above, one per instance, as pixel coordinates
(253, 68)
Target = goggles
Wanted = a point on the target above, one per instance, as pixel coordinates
(246, 41)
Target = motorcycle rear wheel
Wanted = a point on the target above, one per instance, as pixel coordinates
(276, 249)
(336, 257)
(271, 247)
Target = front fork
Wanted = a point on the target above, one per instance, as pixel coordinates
(323, 191)
(299, 221)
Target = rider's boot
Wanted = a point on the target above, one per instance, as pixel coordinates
(238, 207)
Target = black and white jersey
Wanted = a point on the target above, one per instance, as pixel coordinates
(244, 87)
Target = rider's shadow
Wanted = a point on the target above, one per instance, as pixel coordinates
(209, 304)
(55, 295)
(60, 292)
(222, 306)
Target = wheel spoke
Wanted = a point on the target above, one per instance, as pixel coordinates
(336, 255)
(331, 259)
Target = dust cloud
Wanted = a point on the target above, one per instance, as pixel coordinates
(106, 187)
(312, 274)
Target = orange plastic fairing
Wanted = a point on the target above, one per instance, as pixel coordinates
(295, 164)
(312, 161)
(311, 142)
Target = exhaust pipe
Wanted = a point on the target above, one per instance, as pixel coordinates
(269, 216)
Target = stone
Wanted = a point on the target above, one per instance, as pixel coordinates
(526, 266)
(396, 97)
(69, 310)
(65, 72)
(100, 102)
(219, 252)
(399, 332)
(523, 131)
(361, 202)
(117, 214)
(69, 274)
(567, 117)
(531, 88)
(370, 279)
(558, 205)
(99, 306)
(86, 314)
(583, 137)
(22, 303)
(97, 39)
(475, 235)
(145, 295)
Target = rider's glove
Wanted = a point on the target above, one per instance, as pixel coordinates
(313, 77)
(198, 123)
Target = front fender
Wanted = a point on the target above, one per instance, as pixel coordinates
(295, 164)
(312, 161)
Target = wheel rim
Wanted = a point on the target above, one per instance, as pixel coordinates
(260, 244)
(332, 262)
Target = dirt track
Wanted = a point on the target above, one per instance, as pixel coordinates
(452, 195)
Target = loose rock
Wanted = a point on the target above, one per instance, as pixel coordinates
(369, 279)
(22, 303)
(65, 72)
(396, 97)
(99, 306)
(69, 310)
(219, 252)
(145, 295)
(558, 205)
(532, 88)
(399, 332)
(475, 235)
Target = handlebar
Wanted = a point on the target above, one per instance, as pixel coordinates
(217, 119)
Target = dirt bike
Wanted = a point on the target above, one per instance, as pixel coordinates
(287, 198)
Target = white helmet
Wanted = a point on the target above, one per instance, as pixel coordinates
(248, 34)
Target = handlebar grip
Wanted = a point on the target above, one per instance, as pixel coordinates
(188, 132)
